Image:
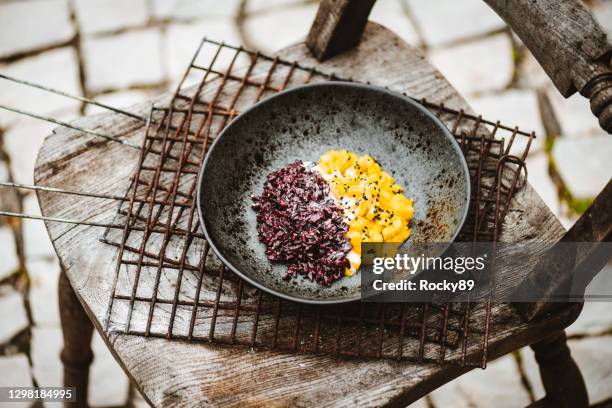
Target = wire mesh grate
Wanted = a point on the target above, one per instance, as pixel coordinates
(169, 284)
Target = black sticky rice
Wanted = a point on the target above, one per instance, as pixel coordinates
(301, 226)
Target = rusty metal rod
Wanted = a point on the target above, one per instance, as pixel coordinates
(88, 223)
(54, 219)
(70, 96)
(82, 193)
(70, 126)
(60, 190)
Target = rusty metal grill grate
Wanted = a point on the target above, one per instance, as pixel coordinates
(169, 284)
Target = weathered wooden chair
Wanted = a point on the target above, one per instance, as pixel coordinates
(574, 52)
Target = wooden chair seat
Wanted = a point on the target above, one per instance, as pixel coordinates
(175, 373)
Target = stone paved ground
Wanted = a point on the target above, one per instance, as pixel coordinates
(123, 52)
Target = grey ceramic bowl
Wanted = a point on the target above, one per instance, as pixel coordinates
(301, 124)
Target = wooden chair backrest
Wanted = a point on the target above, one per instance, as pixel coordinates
(563, 36)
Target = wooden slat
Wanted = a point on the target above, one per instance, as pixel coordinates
(569, 44)
(338, 26)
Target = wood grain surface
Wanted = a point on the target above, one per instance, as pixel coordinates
(338, 27)
(175, 373)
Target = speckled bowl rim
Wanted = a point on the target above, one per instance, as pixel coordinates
(326, 84)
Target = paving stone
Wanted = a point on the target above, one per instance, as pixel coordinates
(19, 368)
(421, 403)
(532, 372)
(46, 347)
(37, 242)
(95, 16)
(195, 9)
(4, 171)
(444, 21)
(584, 163)
(514, 108)
(602, 10)
(22, 143)
(531, 74)
(393, 15)
(602, 285)
(594, 358)
(290, 26)
(9, 198)
(19, 376)
(108, 382)
(56, 69)
(269, 6)
(119, 61)
(479, 66)
(574, 115)
(12, 315)
(32, 25)
(121, 99)
(499, 386)
(8, 253)
(44, 275)
(537, 166)
(567, 220)
(182, 40)
(595, 317)
(138, 400)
